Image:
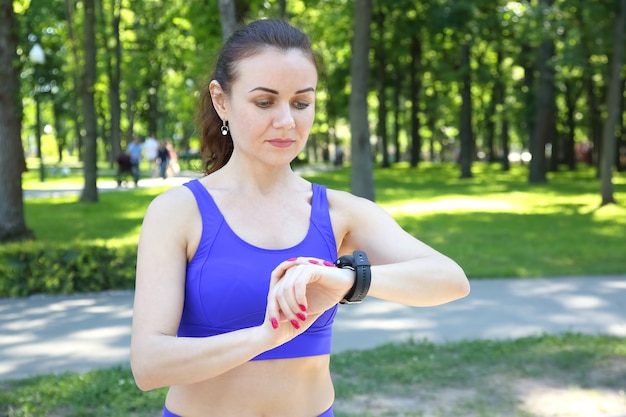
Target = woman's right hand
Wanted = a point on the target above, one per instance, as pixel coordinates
(301, 290)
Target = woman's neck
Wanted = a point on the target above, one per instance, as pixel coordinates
(262, 179)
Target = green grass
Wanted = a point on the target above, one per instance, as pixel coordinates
(498, 225)
(115, 219)
(469, 378)
(494, 225)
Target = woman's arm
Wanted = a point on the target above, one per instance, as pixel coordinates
(404, 269)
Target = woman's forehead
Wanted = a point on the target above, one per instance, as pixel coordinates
(272, 65)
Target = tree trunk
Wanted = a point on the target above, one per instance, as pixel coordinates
(613, 106)
(69, 15)
(557, 145)
(466, 134)
(90, 169)
(362, 179)
(530, 103)
(569, 150)
(228, 18)
(397, 96)
(594, 117)
(506, 165)
(382, 90)
(431, 123)
(544, 116)
(283, 9)
(416, 87)
(60, 121)
(620, 145)
(496, 99)
(113, 60)
(130, 114)
(12, 222)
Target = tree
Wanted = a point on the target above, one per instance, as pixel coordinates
(381, 60)
(466, 134)
(113, 66)
(415, 89)
(12, 222)
(616, 89)
(228, 17)
(544, 119)
(90, 168)
(362, 180)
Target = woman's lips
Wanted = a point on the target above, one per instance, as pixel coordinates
(281, 143)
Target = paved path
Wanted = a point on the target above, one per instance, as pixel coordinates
(105, 185)
(48, 334)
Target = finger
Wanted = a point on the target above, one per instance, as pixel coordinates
(284, 297)
(272, 312)
(281, 269)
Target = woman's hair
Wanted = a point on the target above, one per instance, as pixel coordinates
(246, 42)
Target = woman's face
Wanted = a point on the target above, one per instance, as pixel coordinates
(271, 107)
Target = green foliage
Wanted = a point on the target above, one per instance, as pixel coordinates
(51, 268)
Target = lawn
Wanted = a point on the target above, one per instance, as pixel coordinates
(567, 375)
(494, 225)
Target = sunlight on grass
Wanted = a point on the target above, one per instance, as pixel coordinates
(450, 204)
(494, 224)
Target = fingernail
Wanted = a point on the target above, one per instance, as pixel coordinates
(274, 323)
(301, 316)
(291, 259)
(313, 261)
(302, 307)
(328, 263)
(295, 324)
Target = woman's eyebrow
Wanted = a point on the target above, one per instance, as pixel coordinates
(269, 90)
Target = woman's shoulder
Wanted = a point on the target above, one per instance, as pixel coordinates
(176, 202)
(352, 207)
(345, 199)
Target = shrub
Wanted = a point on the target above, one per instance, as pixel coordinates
(28, 268)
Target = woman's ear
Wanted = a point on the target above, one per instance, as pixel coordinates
(218, 96)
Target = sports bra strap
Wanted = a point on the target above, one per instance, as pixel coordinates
(210, 214)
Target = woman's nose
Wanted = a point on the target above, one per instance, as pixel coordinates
(284, 118)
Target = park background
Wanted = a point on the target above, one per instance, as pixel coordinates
(491, 130)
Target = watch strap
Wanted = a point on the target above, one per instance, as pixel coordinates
(358, 263)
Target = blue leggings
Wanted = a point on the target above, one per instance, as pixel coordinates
(327, 413)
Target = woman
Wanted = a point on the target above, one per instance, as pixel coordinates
(236, 286)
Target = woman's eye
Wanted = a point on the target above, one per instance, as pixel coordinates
(263, 103)
(301, 105)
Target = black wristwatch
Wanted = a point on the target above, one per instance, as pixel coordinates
(358, 263)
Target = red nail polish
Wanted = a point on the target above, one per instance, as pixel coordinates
(301, 316)
(295, 324)
(274, 323)
(302, 307)
(328, 263)
(291, 259)
(313, 261)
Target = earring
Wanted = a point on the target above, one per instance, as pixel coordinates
(224, 128)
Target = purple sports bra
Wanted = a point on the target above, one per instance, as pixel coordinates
(228, 278)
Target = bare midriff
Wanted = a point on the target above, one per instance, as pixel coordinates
(299, 387)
